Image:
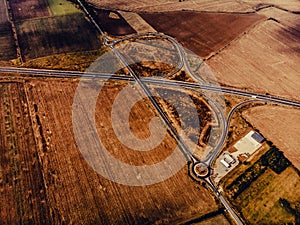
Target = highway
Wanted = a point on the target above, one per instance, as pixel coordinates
(45, 73)
(156, 105)
(201, 85)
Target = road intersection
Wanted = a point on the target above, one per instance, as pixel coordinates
(199, 170)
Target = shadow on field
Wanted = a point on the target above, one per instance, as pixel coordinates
(293, 33)
(54, 35)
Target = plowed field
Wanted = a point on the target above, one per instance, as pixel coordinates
(170, 5)
(45, 179)
(7, 44)
(22, 188)
(203, 33)
(264, 60)
(281, 125)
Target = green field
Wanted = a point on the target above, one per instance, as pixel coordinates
(62, 7)
(268, 192)
(262, 202)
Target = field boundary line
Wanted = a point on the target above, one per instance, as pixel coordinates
(237, 38)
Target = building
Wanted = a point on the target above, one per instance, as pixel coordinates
(229, 158)
(225, 163)
(258, 137)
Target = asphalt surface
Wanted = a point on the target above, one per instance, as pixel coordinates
(143, 82)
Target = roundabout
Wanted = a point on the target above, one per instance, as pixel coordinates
(199, 170)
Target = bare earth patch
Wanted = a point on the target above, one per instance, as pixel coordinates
(281, 126)
(29, 9)
(292, 5)
(3, 12)
(173, 5)
(7, 44)
(290, 20)
(202, 33)
(265, 60)
(22, 188)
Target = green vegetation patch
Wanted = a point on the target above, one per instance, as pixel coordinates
(271, 199)
(62, 7)
(268, 191)
(78, 61)
(273, 159)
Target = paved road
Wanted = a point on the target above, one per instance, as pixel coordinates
(142, 82)
(230, 209)
(149, 80)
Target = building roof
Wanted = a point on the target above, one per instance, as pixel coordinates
(258, 137)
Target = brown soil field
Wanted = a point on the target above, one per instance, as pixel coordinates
(290, 20)
(113, 23)
(29, 9)
(45, 179)
(292, 5)
(265, 60)
(203, 33)
(137, 22)
(22, 188)
(281, 126)
(171, 5)
(54, 35)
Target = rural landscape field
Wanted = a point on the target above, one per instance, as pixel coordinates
(150, 112)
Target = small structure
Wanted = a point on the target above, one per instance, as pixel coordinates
(229, 158)
(225, 163)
